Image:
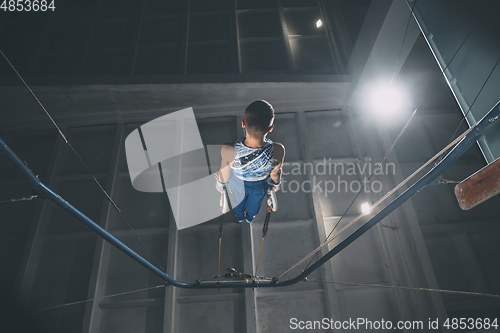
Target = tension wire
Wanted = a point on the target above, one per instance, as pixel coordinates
(78, 156)
(399, 135)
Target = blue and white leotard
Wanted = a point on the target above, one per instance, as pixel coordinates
(252, 164)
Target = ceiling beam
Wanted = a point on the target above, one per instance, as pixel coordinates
(382, 47)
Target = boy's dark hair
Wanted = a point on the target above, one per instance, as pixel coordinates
(258, 118)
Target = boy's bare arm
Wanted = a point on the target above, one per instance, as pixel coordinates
(279, 157)
(227, 154)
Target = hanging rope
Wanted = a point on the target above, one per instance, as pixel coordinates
(221, 226)
(265, 228)
(272, 204)
(444, 291)
(99, 298)
(83, 163)
(258, 260)
(220, 246)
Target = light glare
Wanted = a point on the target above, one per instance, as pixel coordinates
(388, 99)
(319, 23)
(365, 208)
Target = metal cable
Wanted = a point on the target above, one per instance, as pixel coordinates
(445, 291)
(258, 260)
(265, 228)
(364, 183)
(221, 226)
(400, 133)
(403, 43)
(218, 266)
(98, 298)
(329, 239)
(470, 107)
(78, 156)
(36, 98)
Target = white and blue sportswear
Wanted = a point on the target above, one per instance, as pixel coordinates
(252, 164)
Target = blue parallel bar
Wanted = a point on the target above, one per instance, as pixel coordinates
(482, 126)
(43, 191)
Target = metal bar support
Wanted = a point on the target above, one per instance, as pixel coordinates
(481, 127)
(46, 193)
(43, 191)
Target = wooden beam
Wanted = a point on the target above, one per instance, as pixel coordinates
(481, 186)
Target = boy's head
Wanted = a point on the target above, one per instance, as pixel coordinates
(258, 119)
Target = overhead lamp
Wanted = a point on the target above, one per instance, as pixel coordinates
(387, 99)
(365, 208)
(319, 23)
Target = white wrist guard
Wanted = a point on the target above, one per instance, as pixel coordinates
(272, 200)
(273, 185)
(223, 203)
(220, 186)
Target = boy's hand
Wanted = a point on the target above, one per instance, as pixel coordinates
(278, 157)
(272, 185)
(276, 187)
(223, 203)
(272, 200)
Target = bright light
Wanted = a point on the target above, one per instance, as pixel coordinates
(387, 99)
(366, 208)
(319, 23)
